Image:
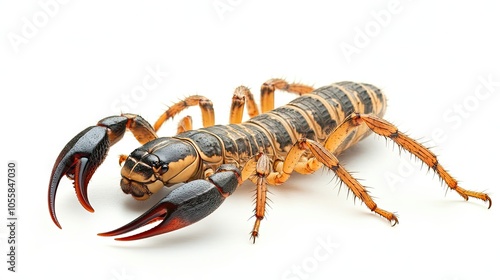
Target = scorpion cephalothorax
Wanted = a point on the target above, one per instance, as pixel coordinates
(211, 162)
(149, 168)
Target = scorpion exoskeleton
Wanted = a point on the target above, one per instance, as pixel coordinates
(211, 162)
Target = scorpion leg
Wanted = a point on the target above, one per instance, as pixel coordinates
(324, 157)
(321, 156)
(268, 88)
(83, 154)
(388, 130)
(241, 96)
(185, 124)
(185, 205)
(257, 171)
(206, 106)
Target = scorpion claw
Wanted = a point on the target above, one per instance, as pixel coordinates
(160, 212)
(185, 205)
(489, 201)
(81, 179)
(78, 160)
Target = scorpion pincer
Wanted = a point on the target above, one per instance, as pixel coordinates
(208, 164)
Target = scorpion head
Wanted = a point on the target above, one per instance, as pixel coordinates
(161, 162)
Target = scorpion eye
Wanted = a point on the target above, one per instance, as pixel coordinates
(160, 168)
(164, 168)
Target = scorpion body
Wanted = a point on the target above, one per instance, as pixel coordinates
(312, 116)
(212, 161)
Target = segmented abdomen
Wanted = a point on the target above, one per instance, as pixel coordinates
(313, 116)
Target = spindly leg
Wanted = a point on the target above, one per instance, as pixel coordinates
(321, 156)
(185, 124)
(386, 129)
(206, 106)
(295, 161)
(268, 88)
(242, 96)
(329, 160)
(257, 170)
(262, 170)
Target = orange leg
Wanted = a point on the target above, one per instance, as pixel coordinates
(268, 88)
(386, 129)
(185, 124)
(324, 155)
(321, 156)
(327, 158)
(206, 106)
(241, 96)
(257, 170)
(335, 143)
(262, 170)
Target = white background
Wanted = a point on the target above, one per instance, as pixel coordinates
(64, 66)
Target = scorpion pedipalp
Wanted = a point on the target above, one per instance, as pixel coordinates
(185, 205)
(83, 154)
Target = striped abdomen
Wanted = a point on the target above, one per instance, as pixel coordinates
(313, 116)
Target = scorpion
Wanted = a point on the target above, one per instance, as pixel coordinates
(206, 165)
